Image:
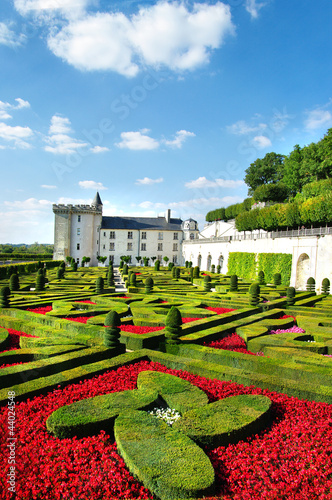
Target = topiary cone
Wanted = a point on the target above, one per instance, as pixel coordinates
(290, 293)
(326, 286)
(4, 296)
(112, 331)
(173, 326)
(254, 292)
(207, 283)
(149, 285)
(233, 283)
(14, 283)
(99, 284)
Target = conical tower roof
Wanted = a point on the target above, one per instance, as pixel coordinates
(97, 200)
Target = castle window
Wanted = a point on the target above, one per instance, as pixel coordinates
(143, 235)
(111, 258)
(104, 233)
(160, 258)
(143, 247)
(78, 231)
(112, 247)
(160, 236)
(192, 236)
(175, 236)
(129, 246)
(160, 247)
(112, 235)
(130, 235)
(104, 247)
(78, 218)
(175, 259)
(175, 247)
(77, 246)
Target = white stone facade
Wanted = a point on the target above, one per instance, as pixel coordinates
(81, 230)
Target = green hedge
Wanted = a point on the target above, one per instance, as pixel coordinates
(272, 263)
(243, 264)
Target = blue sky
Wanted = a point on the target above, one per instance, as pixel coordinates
(154, 104)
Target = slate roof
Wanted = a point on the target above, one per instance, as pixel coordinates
(141, 223)
(96, 200)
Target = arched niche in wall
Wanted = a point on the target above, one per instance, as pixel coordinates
(302, 271)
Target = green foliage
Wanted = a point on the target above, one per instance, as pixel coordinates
(146, 261)
(264, 171)
(14, 283)
(243, 264)
(165, 259)
(173, 326)
(110, 277)
(99, 284)
(218, 268)
(254, 292)
(261, 278)
(125, 269)
(4, 296)
(311, 284)
(213, 268)
(60, 273)
(316, 188)
(207, 283)
(326, 286)
(133, 279)
(273, 263)
(277, 279)
(290, 294)
(112, 331)
(170, 266)
(149, 285)
(157, 265)
(74, 266)
(233, 283)
(85, 260)
(40, 282)
(196, 272)
(271, 192)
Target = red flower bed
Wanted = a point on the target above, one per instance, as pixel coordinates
(79, 319)
(289, 461)
(188, 320)
(85, 302)
(14, 344)
(233, 342)
(219, 310)
(41, 310)
(285, 316)
(140, 329)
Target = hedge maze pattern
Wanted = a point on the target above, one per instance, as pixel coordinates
(64, 319)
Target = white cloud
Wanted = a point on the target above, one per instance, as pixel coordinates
(73, 201)
(99, 149)
(47, 186)
(318, 118)
(5, 107)
(16, 135)
(180, 137)
(253, 7)
(67, 7)
(137, 141)
(199, 202)
(243, 128)
(261, 142)
(96, 186)
(203, 182)
(59, 141)
(9, 38)
(148, 181)
(164, 34)
(29, 204)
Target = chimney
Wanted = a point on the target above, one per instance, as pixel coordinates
(168, 216)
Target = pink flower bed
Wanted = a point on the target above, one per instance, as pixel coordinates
(289, 461)
(293, 329)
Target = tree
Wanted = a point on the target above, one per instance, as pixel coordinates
(166, 259)
(101, 259)
(271, 192)
(264, 171)
(85, 260)
(292, 166)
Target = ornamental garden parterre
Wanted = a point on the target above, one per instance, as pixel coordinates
(185, 385)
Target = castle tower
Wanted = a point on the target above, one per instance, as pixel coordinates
(76, 231)
(190, 229)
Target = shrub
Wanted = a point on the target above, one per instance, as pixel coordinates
(173, 326)
(311, 284)
(254, 292)
(149, 285)
(132, 279)
(277, 279)
(110, 277)
(326, 286)
(125, 269)
(99, 284)
(157, 265)
(233, 283)
(170, 266)
(14, 283)
(74, 265)
(261, 278)
(218, 268)
(290, 293)
(207, 283)
(40, 282)
(196, 272)
(60, 273)
(213, 268)
(4, 296)
(112, 331)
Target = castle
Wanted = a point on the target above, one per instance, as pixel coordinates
(82, 230)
